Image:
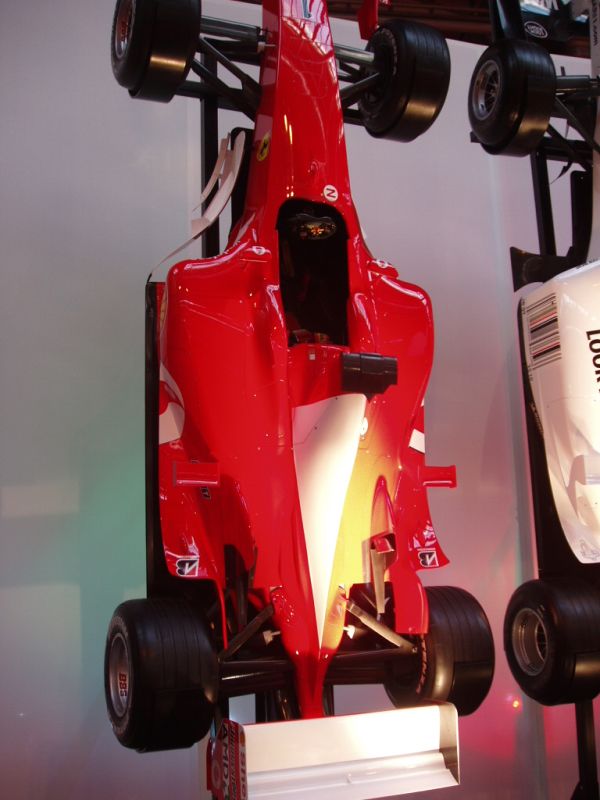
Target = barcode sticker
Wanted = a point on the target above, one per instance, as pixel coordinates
(542, 331)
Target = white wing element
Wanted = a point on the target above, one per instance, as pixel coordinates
(226, 172)
(355, 757)
(170, 422)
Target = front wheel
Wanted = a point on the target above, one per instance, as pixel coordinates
(456, 655)
(160, 675)
(152, 45)
(413, 62)
(511, 97)
(552, 640)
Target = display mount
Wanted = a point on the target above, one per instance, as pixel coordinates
(287, 510)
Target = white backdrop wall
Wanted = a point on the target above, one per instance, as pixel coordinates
(94, 190)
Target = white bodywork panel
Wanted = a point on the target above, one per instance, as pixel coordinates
(561, 334)
(326, 437)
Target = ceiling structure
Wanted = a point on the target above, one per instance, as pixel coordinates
(465, 20)
(468, 20)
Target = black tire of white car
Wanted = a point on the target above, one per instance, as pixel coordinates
(160, 675)
(511, 97)
(456, 661)
(552, 640)
(414, 66)
(152, 45)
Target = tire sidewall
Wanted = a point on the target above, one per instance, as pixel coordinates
(130, 66)
(432, 683)
(383, 105)
(125, 726)
(540, 687)
(504, 118)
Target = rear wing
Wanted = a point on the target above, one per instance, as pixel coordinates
(354, 757)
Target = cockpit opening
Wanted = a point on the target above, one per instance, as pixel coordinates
(313, 267)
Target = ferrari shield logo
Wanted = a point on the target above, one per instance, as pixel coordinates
(263, 149)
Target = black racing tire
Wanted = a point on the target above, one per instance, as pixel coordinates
(413, 61)
(456, 656)
(552, 640)
(511, 97)
(152, 45)
(160, 675)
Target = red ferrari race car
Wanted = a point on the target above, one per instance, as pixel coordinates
(287, 513)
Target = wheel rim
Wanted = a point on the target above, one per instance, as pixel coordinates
(486, 90)
(383, 63)
(119, 675)
(123, 26)
(530, 641)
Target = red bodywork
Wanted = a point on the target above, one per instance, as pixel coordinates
(231, 384)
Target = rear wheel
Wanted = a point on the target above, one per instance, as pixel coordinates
(160, 675)
(552, 640)
(152, 45)
(511, 97)
(456, 656)
(413, 62)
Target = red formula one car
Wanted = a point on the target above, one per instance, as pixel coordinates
(287, 514)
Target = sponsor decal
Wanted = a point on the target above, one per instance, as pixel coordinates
(263, 149)
(330, 193)
(417, 441)
(187, 567)
(535, 29)
(429, 534)
(228, 763)
(594, 345)
(205, 492)
(588, 552)
(258, 250)
(123, 679)
(428, 558)
(543, 336)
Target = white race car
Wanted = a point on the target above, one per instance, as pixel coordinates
(552, 624)
(561, 345)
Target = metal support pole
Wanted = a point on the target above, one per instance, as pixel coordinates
(543, 203)
(507, 23)
(209, 149)
(587, 788)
